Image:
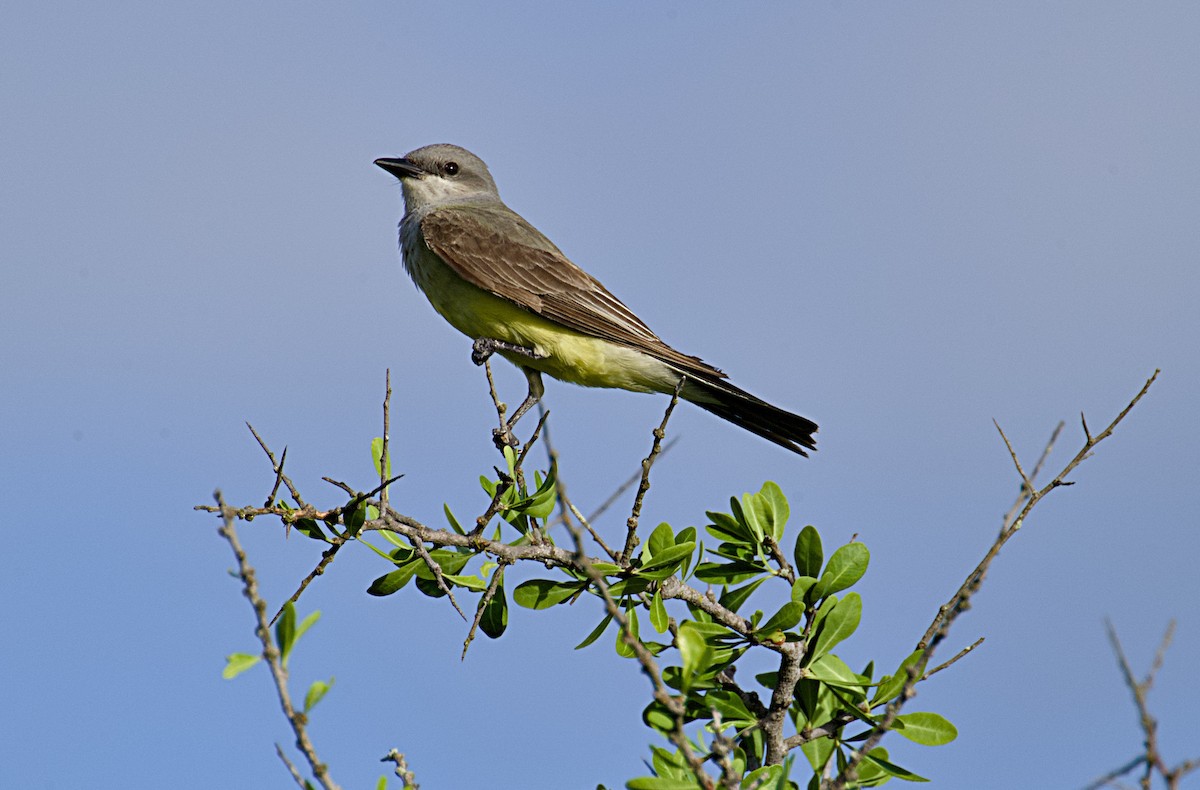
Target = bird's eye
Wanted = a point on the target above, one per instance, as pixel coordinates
(450, 168)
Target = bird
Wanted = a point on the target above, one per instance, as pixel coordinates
(497, 279)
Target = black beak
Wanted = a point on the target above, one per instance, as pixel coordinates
(400, 168)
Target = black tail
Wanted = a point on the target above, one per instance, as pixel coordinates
(755, 415)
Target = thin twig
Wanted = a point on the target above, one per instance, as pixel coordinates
(631, 524)
(383, 455)
(270, 652)
(277, 467)
(493, 585)
(295, 772)
(957, 656)
(1037, 468)
(960, 601)
(402, 769)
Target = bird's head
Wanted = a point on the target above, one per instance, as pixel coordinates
(440, 173)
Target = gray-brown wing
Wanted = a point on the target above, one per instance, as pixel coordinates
(494, 248)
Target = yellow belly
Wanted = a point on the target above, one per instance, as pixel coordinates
(567, 355)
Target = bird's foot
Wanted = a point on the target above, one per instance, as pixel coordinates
(484, 347)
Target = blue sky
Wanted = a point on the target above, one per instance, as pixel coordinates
(903, 221)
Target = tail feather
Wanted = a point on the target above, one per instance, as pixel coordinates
(754, 414)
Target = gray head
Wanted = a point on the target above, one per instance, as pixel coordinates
(441, 173)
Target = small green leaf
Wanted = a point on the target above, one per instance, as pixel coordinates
(316, 692)
(891, 768)
(309, 528)
(927, 729)
(285, 631)
(661, 538)
(658, 613)
(818, 753)
(473, 583)
(237, 663)
(787, 617)
(750, 513)
(732, 599)
(833, 671)
(595, 634)
(835, 626)
(726, 528)
(544, 593)
(376, 456)
(354, 516)
(624, 649)
(669, 556)
(382, 783)
(801, 587)
(495, 615)
(891, 685)
(391, 582)
(808, 553)
(656, 716)
(845, 568)
(306, 624)
(452, 520)
(777, 508)
(694, 650)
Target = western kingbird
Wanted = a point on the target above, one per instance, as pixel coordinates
(497, 280)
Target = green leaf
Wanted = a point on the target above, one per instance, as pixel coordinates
(833, 671)
(658, 613)
(845, 568)
(787, 617)
(382, 783)
(624, 649)
(544, 593)
(808, 553)
(452, 520)
(725, 527)
(747, 514)
(660, 783)
(732, 599)
(818, 753)
(891, 768)
(891, 685)
(595, 634)
(657, 717)
(316, 692)
(801, 587)
(309, 528)
(669, 556)
(661, 538)
(694, 651)
(285, 631)
(927, 729)
(354, 516)
(633, 586)
(769, 777)
(495, 615)
(391, 582)
(835, 626)
(777, 508)
(473, 583)
(237, 663)
(733, 572)
(306, 624)
(731, 707)
(376, 456)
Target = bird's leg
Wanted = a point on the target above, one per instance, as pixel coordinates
(484, 347)
(504, 436)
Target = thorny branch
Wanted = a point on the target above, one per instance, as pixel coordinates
(270, 652)
(1030, 496)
